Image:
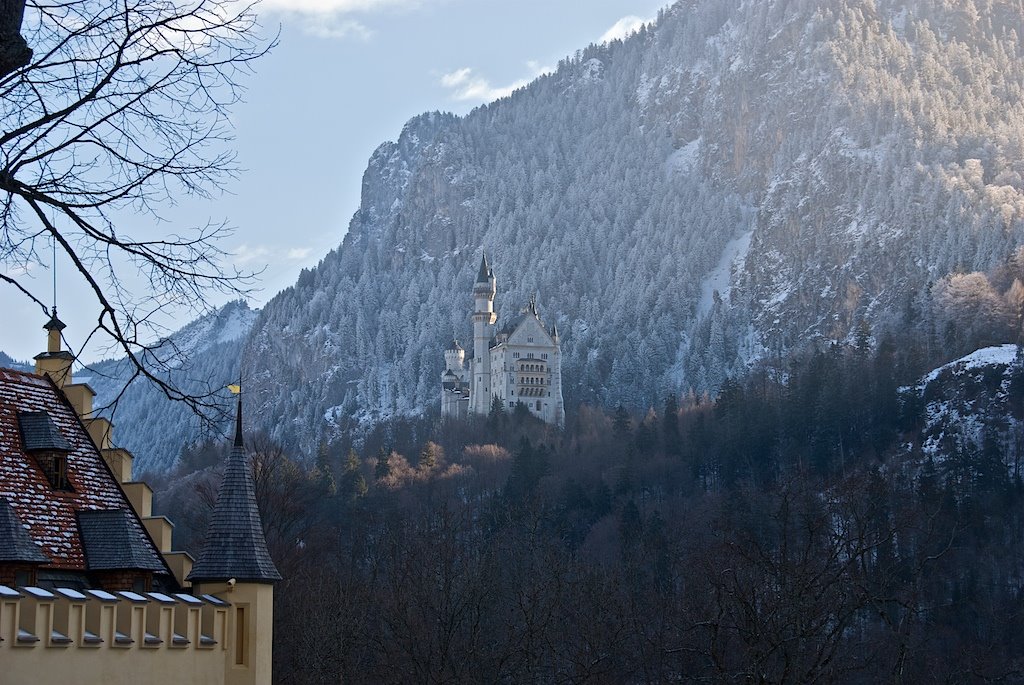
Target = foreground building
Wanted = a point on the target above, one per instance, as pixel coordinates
(90, 589)
(520, 364)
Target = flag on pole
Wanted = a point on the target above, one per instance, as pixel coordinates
(235, 389)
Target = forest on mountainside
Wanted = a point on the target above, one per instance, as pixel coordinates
(736, 181)
(740, 181)
(798, 529)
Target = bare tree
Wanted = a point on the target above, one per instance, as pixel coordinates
(111, 109)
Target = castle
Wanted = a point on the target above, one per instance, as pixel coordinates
(91, 590)
(520, 364)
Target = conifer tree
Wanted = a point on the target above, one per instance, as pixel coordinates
(670, 427)
(383, 469)
(621, 424)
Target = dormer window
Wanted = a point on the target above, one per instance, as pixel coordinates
(44, 442)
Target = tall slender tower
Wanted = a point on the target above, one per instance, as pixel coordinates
(556, 376)
(483, 319)
(236, 565)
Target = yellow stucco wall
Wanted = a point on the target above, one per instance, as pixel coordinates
(131, 658)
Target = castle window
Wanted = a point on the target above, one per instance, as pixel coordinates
(43, 440)
(241, 635)
(544, 355)
(529, 340)
(538, 405)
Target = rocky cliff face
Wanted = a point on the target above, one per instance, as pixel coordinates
(741, 178)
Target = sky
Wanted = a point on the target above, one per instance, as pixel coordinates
(344, 78)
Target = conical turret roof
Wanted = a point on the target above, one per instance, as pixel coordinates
(485, 271)
(235, 546)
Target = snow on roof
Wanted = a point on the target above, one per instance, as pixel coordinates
(70, 594)
(49, 515)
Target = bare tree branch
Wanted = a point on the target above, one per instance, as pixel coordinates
(120, 108)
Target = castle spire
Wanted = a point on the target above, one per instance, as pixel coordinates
(485, 271)
(235, 547)
(238, 425)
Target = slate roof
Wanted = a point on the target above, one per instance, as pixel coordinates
(15, 542)
(39, 433)
(111, 542)
(48, 514)
(485, 271)
(54, 324)
(235, 546)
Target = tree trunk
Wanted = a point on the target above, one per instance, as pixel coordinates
(14, 51)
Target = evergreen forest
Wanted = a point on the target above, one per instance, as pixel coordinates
(805, 526)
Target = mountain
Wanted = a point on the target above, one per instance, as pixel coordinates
(8, 362)
(738, 180)
(203, 357)
(971, 409)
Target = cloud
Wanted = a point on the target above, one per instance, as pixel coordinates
(335, 27)
(247, 254)
(299, 253)
(466, 85)
(335, 7)
(260, 255)
(623, 28)
(332, 18)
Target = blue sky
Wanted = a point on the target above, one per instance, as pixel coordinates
(345, 76)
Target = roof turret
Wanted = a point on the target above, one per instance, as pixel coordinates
(235, 546)
(54, 324)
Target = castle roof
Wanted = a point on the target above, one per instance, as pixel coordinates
(485, 271)
(35, 415)
(455, 347)
(111, 542)
(54, 324)
(15, 542)
(39, 434)
(235, 546)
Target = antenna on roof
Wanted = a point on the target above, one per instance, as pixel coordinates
(53, 267)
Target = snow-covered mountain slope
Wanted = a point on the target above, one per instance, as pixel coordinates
(204, 356)
(8, 362)
(973, 405)
(741, 178)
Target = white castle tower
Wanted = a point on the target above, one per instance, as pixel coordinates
(454, 388)
(483, 321)
(521, 365)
